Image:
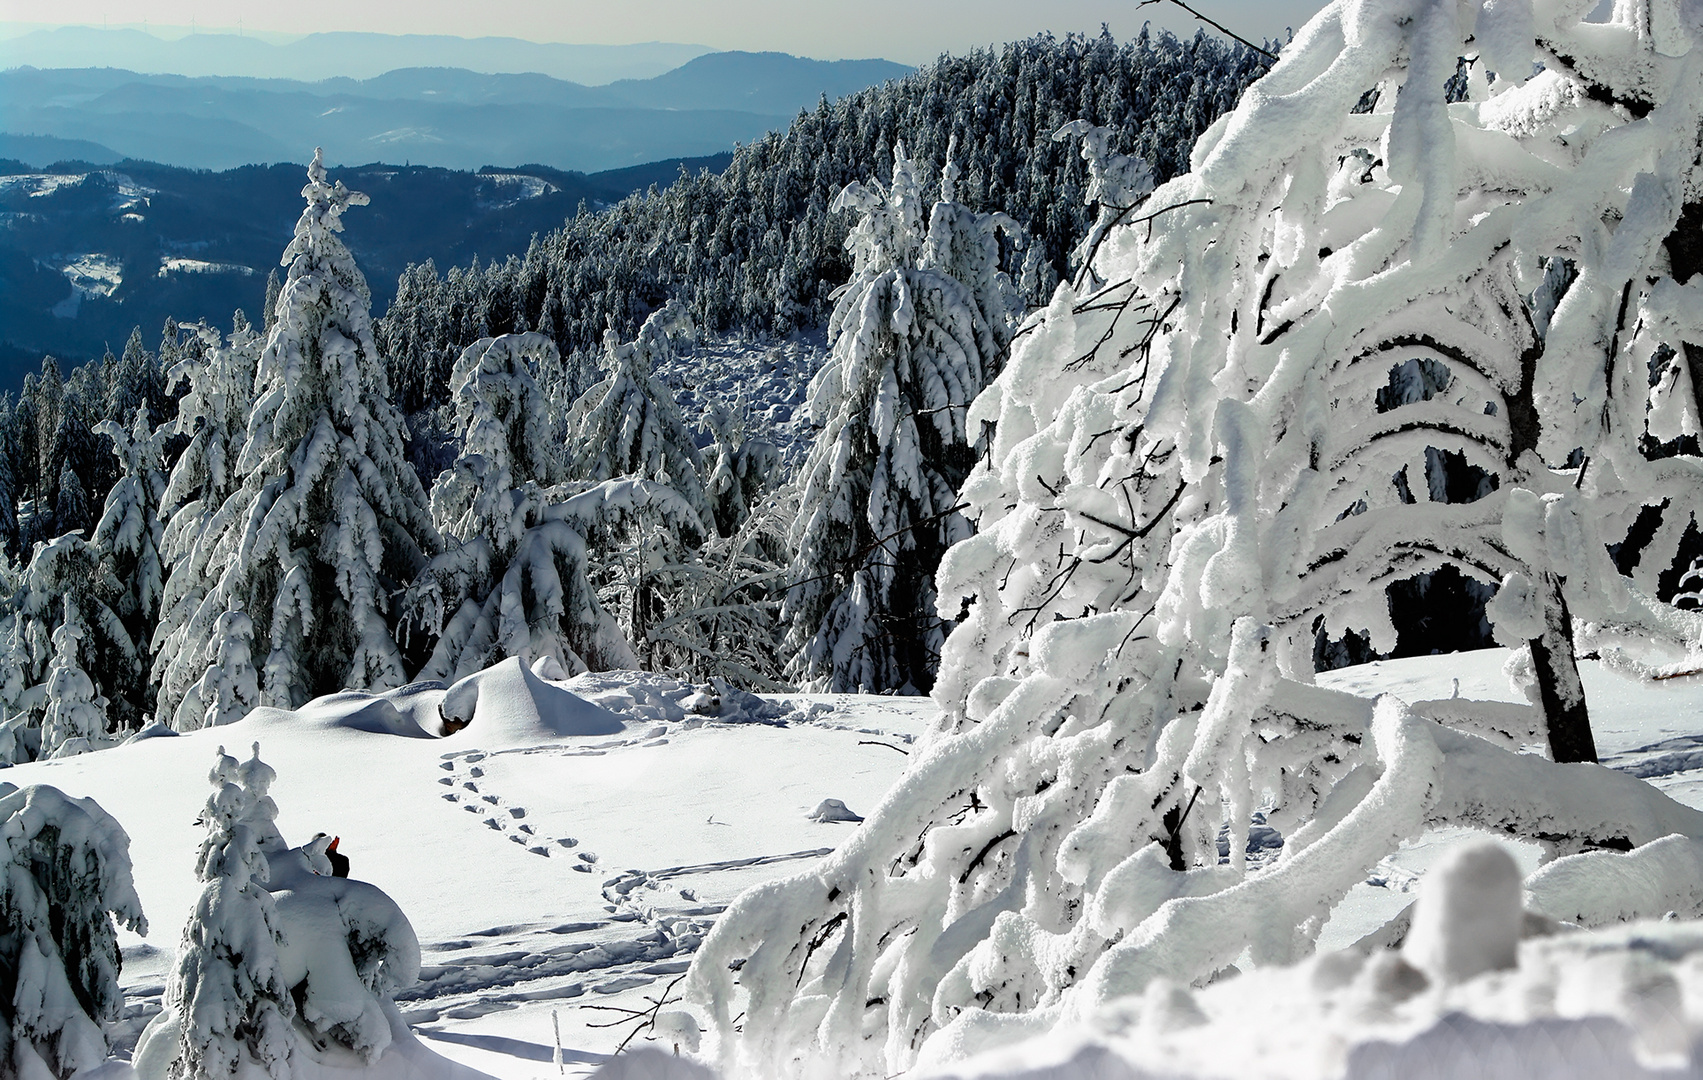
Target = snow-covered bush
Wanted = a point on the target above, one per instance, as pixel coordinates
(64, 878)
(278, 963)
(921, 328)
(328, 520)
(1195, 468)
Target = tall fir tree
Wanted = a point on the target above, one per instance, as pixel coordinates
(924, 324)
(329, 519)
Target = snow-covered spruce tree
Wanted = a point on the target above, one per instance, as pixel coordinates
(213, 414)
(1192, 472)
(227, 993)
(509, 435)
(128, 536)
(74, 714)
(64, 879)
(328, 519)
(923, 326)
(629, 424)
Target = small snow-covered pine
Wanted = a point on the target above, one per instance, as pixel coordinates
(129, 536)
(227, 993)
(74, 718)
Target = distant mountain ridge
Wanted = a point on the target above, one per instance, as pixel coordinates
(329, 55)
(446, 117)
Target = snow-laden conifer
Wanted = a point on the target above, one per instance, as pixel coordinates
(923, 325)
(74, 714)
(65, 577)
(509, 434)
(536, 595)
(227, 992)
(128, 536)
(1199, 461)
(628, 424)
(213, 414)
(328, 520)
(64, 880)
(521, 576)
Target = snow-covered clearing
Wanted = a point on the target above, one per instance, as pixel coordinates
(540, 872)
(545, 872)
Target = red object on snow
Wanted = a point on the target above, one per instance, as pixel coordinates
(339, 861)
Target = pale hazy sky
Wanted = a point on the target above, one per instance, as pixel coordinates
(909, 31)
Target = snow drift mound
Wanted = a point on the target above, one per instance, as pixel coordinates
(507, 704)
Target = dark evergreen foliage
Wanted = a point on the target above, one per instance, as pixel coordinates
(755, 248)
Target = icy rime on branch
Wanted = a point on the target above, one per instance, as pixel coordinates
(1193, 472)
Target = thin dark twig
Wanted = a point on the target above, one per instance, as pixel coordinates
(983, 853)
(888, 745)
(1220, 27)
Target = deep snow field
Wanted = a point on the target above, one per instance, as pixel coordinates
(546, 871)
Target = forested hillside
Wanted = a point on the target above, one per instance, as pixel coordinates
(756, 249)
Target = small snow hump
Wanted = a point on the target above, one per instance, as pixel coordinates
(831, 810)
(507, 704)
(649, 1063)
(1469, 915)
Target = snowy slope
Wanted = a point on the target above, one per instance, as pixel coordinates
(544, 872)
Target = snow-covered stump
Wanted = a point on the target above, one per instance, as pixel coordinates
(64, 879)
(1206, 452)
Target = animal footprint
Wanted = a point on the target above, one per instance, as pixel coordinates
(517, 812)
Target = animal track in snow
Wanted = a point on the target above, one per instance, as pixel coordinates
(462, 778)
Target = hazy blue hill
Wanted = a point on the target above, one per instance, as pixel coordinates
(448, 117)
(330, 55)
(761, 82)
(40, 151)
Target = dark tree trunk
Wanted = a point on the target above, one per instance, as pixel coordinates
(1558, 683)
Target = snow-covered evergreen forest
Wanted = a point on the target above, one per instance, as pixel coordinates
(1153, 383)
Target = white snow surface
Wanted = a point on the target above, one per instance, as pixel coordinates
(544, 871)
(542, 867)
